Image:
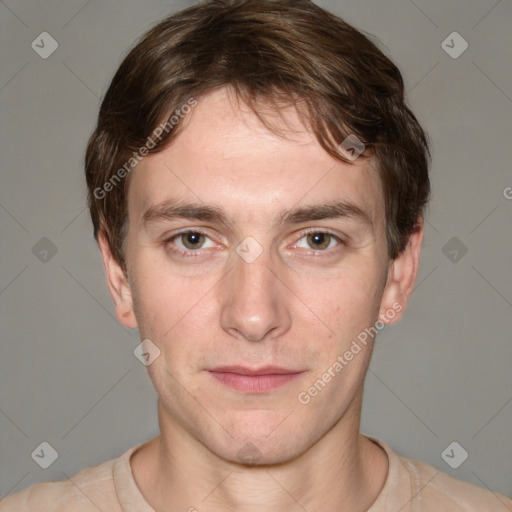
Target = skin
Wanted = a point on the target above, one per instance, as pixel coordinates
(298, 305)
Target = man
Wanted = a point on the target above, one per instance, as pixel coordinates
(257, 185)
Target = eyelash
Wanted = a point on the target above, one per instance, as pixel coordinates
(197, 253)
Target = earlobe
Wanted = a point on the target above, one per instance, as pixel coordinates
(402, 274)
(118, 284)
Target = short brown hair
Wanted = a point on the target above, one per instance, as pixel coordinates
(272, 50)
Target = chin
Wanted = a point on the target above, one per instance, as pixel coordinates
(261, 438)
(260, 452)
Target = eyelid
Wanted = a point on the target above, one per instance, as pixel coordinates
(328, 231)
(169, 236)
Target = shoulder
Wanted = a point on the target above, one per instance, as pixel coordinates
(414, 486)
(433, 489)
(440, 488)
(86, 491)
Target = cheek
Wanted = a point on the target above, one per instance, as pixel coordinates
(349, 304)
(347, 301)
(172, 311)
(179, 313)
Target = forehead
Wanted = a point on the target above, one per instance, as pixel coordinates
(224, 156)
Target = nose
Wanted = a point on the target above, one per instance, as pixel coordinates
(255, 302)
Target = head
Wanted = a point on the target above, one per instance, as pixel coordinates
(232, 120)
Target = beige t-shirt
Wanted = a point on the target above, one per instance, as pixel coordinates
(410, 486)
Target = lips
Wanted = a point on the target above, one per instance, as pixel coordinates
(254, 380)
(266, 370)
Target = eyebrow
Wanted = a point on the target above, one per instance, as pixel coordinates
(169, 210)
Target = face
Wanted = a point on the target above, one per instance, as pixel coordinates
(255, 263)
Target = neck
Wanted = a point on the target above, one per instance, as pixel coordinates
(343, 471)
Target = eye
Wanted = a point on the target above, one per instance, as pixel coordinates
(318, 240)
(190, 240)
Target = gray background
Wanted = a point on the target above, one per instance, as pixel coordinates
(68, 373)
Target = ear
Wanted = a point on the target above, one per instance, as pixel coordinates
(402, 274)
(118, 285)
